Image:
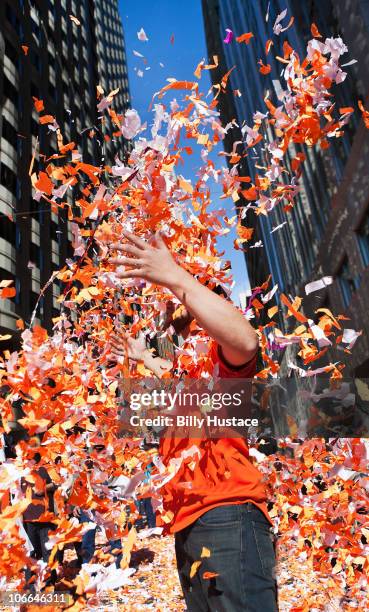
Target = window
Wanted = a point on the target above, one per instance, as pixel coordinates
(53, 92)
(13, 19)
(11, 52)
(363, 239)
(33, 300)
(36, 31)
(51, 60)
(10, 91)
(18, 290)
(364, 9)
(18, 240)
(7, 229)
(35, 92)
(34, 253)
(347, 282)
(35, 60)
(18, 189)
(8, 178)
(9, 133)
(35, 128)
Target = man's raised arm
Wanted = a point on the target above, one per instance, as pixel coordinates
(218, 317)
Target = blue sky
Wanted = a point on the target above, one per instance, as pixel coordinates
(161, 20)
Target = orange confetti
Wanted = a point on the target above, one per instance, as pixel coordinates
(244, 233)
(44, 184)
(8, 292)
(264, 68)
(38, 104)
(46, 119)
(194, 568)
(177, 85)
(315, 32)
(75, 20)
(245, 38)
(364, 114)
(268, 46)
(209, 575)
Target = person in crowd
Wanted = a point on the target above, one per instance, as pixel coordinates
(224, 508)
(38, 516)
(145, 503)
(85, 549)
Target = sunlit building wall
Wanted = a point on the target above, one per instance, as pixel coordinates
(64, 62)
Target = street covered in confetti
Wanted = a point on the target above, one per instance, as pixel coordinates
(89, 505)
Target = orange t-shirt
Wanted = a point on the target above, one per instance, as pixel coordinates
(223, 474)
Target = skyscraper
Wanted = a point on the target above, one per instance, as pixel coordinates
(111, 59)
(57, 51)
(326, 233)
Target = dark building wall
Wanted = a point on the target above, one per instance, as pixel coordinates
(214, 33)
(344, 248)
(62, 68)
(328, 230)
(111, 61)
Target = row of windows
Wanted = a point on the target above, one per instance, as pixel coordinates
(11, 53)
(9, 133)
(12, 18)
(348, 282)
(363, 237)
(8, 179)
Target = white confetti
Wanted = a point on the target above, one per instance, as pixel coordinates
(319, 284)
(141, 35)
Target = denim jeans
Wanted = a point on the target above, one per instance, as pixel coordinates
(115, 545)
(242, 555)
(144, 506)
(150, 514)
(86, 548)
(38, 535)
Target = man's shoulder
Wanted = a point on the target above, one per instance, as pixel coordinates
(228, 370)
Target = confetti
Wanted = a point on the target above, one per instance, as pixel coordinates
(245, 38)
(319, 284)
(141, 35)
(229, 36)
(264, 68)
(69, 388)
(75, 20)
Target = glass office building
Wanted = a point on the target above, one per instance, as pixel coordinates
(306, 247)
(62, 65)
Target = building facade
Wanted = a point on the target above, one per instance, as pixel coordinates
(62, 62)
(111, 61)
(326, 233)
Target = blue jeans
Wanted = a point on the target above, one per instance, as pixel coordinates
(242, 555)
(115, 545)
(150, 514)
(86, 549)
(144, 506)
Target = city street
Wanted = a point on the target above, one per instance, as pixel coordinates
(184, 295)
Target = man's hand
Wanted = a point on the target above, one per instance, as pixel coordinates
(137, 351)
(136, 347)
(217, 316)
(152, 262)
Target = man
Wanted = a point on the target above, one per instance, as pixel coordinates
(220, 519)
(39, 514)
(85, 549)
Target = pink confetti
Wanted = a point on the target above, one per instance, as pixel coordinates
(229, 36)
